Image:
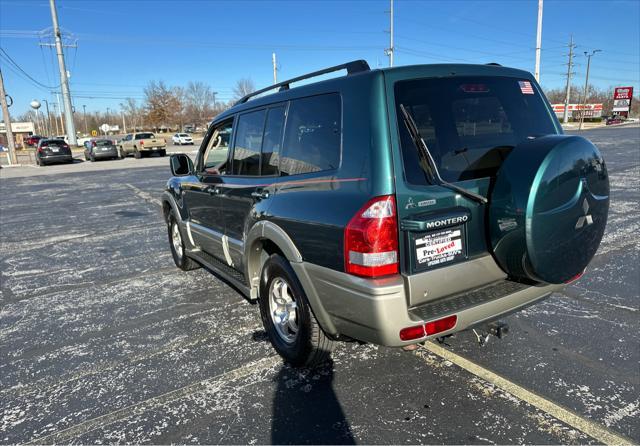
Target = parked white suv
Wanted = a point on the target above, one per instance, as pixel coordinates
(182, 138)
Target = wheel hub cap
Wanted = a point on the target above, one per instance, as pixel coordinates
(283, 310)
(176, 239)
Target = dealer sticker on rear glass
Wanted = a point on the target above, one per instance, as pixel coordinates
(439, 247)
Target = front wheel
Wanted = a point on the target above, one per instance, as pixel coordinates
(176, 243)
(287, 317)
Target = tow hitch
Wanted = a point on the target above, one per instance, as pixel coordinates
(498, 329)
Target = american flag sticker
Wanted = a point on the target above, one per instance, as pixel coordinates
(525, 87)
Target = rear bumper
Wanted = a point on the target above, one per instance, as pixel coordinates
(151, 149)
(375, 310)
(108, 154)
(56, 158)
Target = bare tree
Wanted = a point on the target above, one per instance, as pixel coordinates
(161, 104)
(200, 99)
(132, 112)
(243, 87)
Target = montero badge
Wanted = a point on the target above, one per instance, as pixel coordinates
(429, 221)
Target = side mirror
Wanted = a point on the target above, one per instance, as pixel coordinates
(181, 165)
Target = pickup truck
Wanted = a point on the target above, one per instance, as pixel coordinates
(140, 144)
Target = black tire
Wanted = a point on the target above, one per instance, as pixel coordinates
(86, 158)
(121, 153)
(163, 152)
(180, 259)
(137, 154)
(39, 162)
(310, 346)
(93, 159)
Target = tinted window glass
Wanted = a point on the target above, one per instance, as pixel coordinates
(145, 135)
(217, 148)
(246, 152)
(103, 142)
(312, 136)
(272, 141)
(469, 124)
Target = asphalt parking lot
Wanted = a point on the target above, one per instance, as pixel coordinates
(103, 340)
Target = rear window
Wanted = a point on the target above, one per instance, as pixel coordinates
(312, 136)
(145, 135)
(54, 142)
(103, 142)
(469, 124)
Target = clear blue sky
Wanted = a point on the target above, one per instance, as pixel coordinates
(122, 45)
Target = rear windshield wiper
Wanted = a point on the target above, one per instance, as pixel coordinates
(428, 164)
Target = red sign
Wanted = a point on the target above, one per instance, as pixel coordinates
(623, 93)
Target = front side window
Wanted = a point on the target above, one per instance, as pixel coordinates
(248, 141)
(313, 135)
(217, 149)
(470, 124)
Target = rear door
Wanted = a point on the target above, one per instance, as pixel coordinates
(470, 124)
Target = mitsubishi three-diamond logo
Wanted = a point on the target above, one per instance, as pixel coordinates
(586, 219)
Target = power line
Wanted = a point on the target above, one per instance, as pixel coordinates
(13, 62)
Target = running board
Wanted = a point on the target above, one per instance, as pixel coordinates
(224, 271)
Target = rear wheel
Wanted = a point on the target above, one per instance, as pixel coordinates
(93, 159)
(176, 243)
(136, 153)
(163, 152)
(287, 317)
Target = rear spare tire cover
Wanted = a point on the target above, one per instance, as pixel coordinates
(548, 208)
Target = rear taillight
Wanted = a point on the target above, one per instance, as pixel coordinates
(371, 239)
(142, 143)
(440, 325)
(411, 333)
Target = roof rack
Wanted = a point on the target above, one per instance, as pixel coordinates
(355, 66)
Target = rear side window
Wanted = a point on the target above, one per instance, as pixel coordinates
(312, 136)
(272, 141)
(246, 152)
(469, 124)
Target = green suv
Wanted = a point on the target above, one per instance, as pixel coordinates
(389, 206)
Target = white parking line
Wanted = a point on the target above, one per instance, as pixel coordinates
(65, 435)
(590, 428)
(144, 195)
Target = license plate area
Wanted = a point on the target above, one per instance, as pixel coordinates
(438, 248)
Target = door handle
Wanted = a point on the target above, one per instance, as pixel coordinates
(260, 194)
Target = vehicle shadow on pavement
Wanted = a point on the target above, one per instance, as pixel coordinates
(306, 409)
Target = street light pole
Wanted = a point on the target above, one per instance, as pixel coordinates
(84, 112)
(536, 72)
(586, 85)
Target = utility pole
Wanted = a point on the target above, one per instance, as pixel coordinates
(586, 85)
(48, 117)
(389, 51)
(538, 42)
(565, 116)
(55, 118)
(124, 124)
(60, 114)
(7, 123)
(64, 81)
(275, 68)
(84, 113)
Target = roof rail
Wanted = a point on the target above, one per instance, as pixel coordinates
(355, 66)
(495, 64)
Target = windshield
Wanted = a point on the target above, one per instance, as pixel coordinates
(184, 135)
(470, 124)
(145, 135)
